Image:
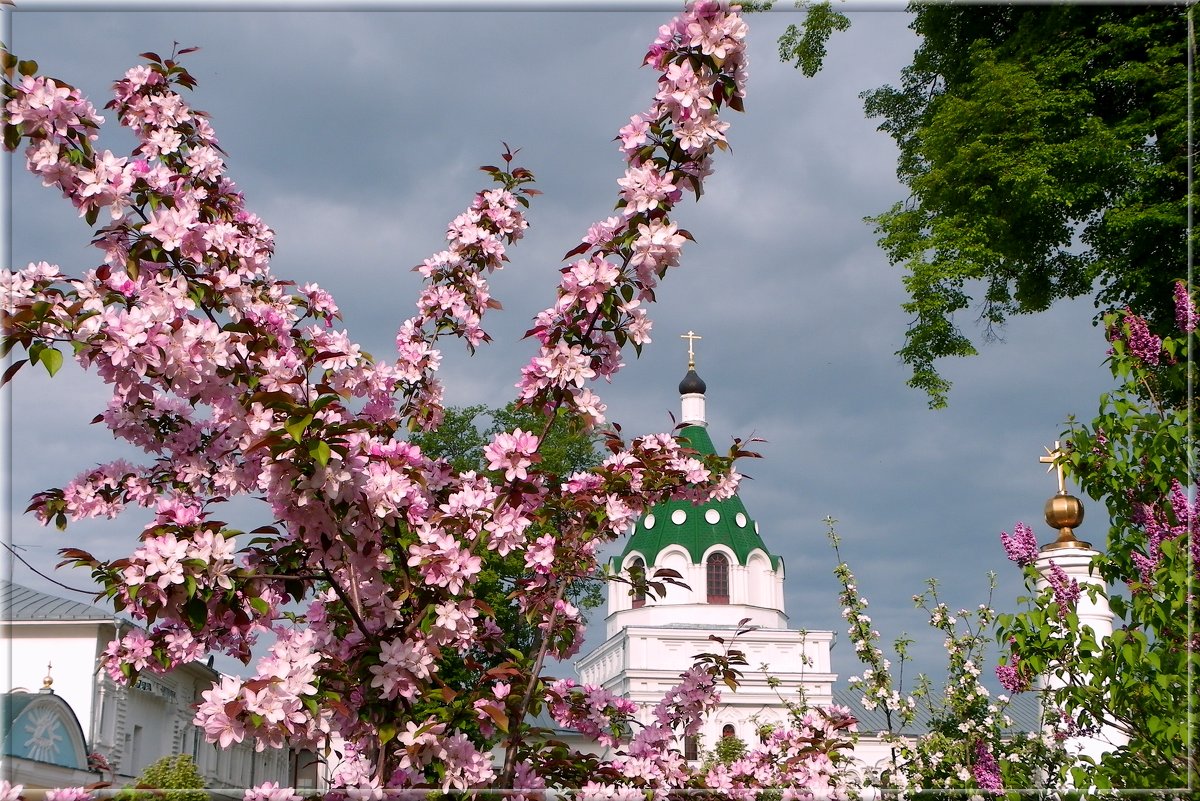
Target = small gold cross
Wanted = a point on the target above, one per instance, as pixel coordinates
(1053, 458)
(691, 337)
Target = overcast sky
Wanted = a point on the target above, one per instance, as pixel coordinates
(356, 136)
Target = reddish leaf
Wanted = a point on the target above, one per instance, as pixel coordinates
(583, 246)
(11, 371)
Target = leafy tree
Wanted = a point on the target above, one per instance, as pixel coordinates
(805, 44)
(1045, 150)
(177, 775)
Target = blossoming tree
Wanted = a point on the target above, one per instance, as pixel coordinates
(234, 382)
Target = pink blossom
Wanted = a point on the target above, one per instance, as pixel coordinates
(68, 794)
(271, 791)
(1011, 676)
(985, 769)
(645, 188)
(513, 453)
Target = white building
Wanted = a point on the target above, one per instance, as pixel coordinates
(58, 700)
(733, 582)
(732, 579)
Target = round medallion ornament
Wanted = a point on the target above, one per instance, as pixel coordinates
(712, 516)
(678, 516)
(648, 522)
(740, 519)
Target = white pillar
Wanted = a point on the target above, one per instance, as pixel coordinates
(1076, 563)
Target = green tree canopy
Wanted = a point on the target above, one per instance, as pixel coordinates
(1045, 149)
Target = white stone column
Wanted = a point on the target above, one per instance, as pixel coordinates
(1076, 564)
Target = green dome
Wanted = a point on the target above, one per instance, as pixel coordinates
(714, 523)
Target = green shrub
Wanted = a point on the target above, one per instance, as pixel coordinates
(172, 778)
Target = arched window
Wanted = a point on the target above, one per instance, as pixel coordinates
(637, 573)
(718, 578)
(691, 747)
(727, 730)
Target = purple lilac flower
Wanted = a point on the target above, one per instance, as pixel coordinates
(1142, 343)
(1022, 546)
(1159, 529)
(1012, 677)
(1185, 310)
(1066, 590)
(987, 772)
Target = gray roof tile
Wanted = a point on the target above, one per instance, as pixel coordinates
(19, 603)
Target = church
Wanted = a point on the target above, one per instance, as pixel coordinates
(731, 584)
(731, 587)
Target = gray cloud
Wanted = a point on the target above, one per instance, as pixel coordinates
(356, 136)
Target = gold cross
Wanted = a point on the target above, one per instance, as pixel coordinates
(691, 337)
(1053, 458)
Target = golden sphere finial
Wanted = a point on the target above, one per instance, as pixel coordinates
(48, 680)
(1064, 511)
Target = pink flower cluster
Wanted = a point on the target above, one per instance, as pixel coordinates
(1022, 546)
(797, 760)
(1012, 677)
(457, 294)
(668, 150)
(271, 791)
(985, 770)
(269, 707)
(592, 711)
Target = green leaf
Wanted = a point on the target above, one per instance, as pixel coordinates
(296, 426)
(195, 611)
(319, 451)
(52, 360)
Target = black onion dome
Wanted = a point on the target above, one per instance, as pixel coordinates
(692, 384)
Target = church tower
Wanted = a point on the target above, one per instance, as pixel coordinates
(730, 576)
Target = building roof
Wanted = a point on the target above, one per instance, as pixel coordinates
(697, 528)
(18, 603)
(41, 727)
(1023, 708)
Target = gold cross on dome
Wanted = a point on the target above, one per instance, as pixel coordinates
(1053, 458)
(691, 337)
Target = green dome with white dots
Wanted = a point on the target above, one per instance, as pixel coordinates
(696, 528)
